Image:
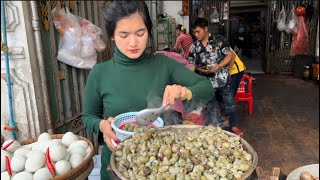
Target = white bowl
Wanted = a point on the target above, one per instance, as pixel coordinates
(312, 168)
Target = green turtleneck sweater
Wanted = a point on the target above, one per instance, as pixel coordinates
(124, 85)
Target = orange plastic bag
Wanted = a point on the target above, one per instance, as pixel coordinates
(300, 41)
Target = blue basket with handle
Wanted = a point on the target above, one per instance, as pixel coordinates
(130, 117)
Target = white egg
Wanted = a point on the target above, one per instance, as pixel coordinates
(69, 138)
(43, 146)
(32, 152)
(17, 163)
(4, 153)
(22, 151)
(67, 156)
(42, 174)
(29, 146)
(44, 137)
(62, 167)
(14, 146)
(5, 175)
(82, 143)
(75, 160)
(78, 150)
(36, 146)
(57, 152)
(40, 146)
(54, 142)
(35, 161)
(25, 175)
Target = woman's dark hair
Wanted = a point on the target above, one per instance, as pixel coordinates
(200, 22)
(116, 10)
(181, 28)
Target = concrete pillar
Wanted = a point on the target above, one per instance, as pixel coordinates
(25, 106)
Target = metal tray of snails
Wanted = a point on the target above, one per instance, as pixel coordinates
(184, 152)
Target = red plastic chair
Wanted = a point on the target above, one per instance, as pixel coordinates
(244, 92)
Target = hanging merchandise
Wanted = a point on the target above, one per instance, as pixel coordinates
(300, 10)
(293, 23)
(225, 11)
(299, 43)
(79, 39)
(214, 17)
(200, 12)
(281, 21)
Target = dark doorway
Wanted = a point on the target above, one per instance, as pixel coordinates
(247, 37)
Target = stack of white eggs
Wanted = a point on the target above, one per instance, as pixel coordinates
(29, 161)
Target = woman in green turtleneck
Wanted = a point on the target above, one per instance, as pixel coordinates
(134, 78)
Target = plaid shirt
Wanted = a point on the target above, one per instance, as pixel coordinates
(214, 52)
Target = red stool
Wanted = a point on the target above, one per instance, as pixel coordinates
(244, 92)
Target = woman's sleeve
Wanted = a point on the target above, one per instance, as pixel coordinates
(201, 88)
(178, 42)
(92, 105)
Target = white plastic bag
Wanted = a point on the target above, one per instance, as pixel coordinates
(214, 17)
(71, 41)
(200, 13)
(79, 39)
(88, 48)
(91, 31)
(281, 22)
(293, 23)
(76, 60)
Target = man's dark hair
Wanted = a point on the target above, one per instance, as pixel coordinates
(200, 22)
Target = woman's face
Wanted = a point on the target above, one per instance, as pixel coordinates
(131, 36)
(178, 32)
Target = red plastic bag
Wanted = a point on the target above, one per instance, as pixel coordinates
(300, 40)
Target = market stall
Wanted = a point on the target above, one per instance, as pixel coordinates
(59, 156)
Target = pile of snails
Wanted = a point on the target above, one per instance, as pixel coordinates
(131, 127)
(205, 153)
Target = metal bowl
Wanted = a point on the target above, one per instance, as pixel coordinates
(245, 144)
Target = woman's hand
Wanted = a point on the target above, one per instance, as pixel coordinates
(106, 129)
(174, 92)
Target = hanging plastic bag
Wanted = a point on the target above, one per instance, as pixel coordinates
(214, 17)
(79, 39)
(293, 23)
(281, 22)
(91, 38)
(299, 43)
(225, 11)
(200, 12)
